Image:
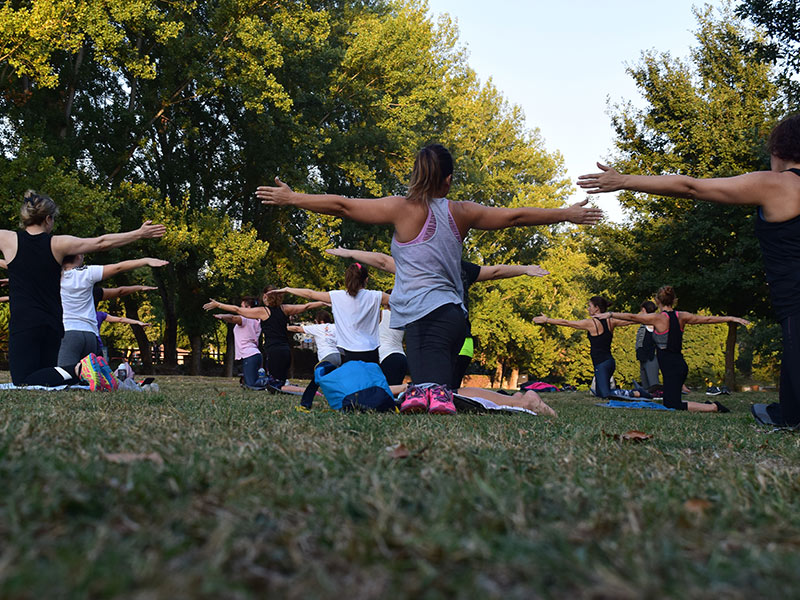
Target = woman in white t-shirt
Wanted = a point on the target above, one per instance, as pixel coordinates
(77, 302)
(356, 311)
(324, 333)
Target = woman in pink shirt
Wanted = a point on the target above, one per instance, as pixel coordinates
(245, 337)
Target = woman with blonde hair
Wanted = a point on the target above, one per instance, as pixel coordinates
(34, 256)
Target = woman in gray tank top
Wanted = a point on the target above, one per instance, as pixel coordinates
(427, 244)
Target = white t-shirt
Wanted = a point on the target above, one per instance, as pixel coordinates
(357, 319)
(391, 339)
(76, 298)
(324, 335)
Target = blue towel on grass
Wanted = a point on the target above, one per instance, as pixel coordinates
(636, 404)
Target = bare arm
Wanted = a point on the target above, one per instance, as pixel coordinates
(470, 215)
(643, 318)
(584, 324)
(130, 265)
(296, 309)
(255, 312)
(3, 264)
(125, 290)
(381, 261)
(323, 297)
(232, 319)
(506, 271)
(776, 192)
(63, 245)
(693, 319)
(126, 320)
(374, 211)
(295, 329)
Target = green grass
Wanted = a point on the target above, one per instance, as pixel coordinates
(255, 499)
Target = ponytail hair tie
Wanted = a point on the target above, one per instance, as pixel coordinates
(359, 265)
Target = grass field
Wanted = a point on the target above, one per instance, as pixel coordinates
(234, 494)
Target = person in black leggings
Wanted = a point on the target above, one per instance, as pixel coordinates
(34, 258)
(668, 334)
(600, 331)
(274, 317)
(776, 193)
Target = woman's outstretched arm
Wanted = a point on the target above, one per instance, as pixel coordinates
(255, 312)
(693, 319)
(470, 215)
(492, 272)
(379, 260)
(584, 324)
(296, 309)
(377, 211)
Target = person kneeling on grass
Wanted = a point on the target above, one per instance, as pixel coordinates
(668, 325)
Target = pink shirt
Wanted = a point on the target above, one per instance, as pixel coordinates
(245, 337)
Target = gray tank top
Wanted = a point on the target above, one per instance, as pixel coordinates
(428, 268)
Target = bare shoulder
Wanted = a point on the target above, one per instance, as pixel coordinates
(781, 194)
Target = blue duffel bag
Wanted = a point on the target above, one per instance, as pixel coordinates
(356, 385)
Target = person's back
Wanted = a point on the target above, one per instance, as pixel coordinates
(34, 279)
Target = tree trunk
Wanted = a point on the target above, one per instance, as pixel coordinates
(132, 312)
(497, 380)
(730, 356)
(197, 354)
(170, 322)
(70, 100)
(230, 347)
(513, 380)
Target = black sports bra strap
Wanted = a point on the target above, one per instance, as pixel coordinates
(795, 171)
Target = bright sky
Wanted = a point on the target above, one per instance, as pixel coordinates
(562, 60)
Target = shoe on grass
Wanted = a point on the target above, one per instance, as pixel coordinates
(440, 401)
(415, 400)
(713, 391)
(720, 407)
(92, 374)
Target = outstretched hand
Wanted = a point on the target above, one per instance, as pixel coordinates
(156, 262)
(580, 214)
(608, 180)
(540, 320)
(148, 230)
(535, 271)
(740, 321)
(279, 195)
(283, 290)
(339, 251)
(211, 305)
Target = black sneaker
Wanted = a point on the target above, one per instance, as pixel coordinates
(720, 407)
(714, 391)
(724, 390)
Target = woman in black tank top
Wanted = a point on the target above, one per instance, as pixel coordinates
(668, 327)
(274, 317)
(34, 256)
(599, 330)
(776, 193)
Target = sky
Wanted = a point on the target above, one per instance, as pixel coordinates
(561, 62)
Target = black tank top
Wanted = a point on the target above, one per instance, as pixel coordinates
(34, 284)
(600, 345)
(674, 335)
(274, 328)
(780, 249)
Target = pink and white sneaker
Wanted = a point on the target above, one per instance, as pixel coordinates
(415, 400)
(440, 401)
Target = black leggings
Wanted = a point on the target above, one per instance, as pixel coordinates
(369, 356)
(279, 359)
(433, 343)
(789, 392)
(673, 373)
(395, 367)
(33, 356)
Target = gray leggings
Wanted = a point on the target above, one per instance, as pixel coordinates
(75, 345)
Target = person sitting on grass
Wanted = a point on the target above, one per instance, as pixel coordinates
(274, 318)
(81, 329)
(34, 256)
(324, 333)
(245, 338)
(668, 327)
(600, 331)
